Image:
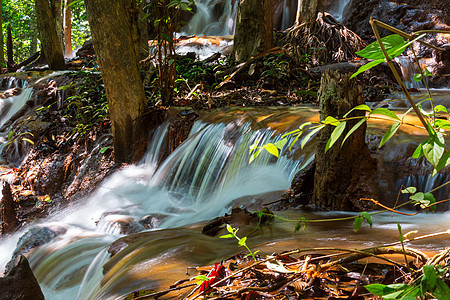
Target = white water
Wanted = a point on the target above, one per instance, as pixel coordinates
(208, 22)
(338, 10)
(196, 182)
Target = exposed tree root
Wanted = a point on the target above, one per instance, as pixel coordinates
(325, 39)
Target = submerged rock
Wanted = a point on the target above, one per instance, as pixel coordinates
(20, 283)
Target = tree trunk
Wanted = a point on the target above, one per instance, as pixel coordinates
(9, 49)
(111, 30)
(2, 54)
(34, 38)
(67, 28)
(254, 28)
(343, 174)
(56, 6)
(8, 217)
(50, 42)
(306, 11)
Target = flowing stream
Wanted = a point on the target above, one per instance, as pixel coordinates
(168, 201)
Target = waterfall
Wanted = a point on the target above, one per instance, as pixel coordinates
(408, 69)
(338, 9)
(165, 198)
(213, 17)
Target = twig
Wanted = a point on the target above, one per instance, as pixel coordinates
(403, 213)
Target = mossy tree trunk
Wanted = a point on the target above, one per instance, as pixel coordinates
(254, 28)
(112, 32)
(50, 41)
(343, 174)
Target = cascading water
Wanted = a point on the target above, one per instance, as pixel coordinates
(213, 17)
(198, 181)
(409, 69)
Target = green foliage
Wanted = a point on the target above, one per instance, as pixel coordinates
(22, 17)
(357, 223)
(423, 200)
(86, 106)
(165, 16)
(14, 137)
(431, 282)
(242, 242)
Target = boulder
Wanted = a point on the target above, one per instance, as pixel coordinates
(20, 283)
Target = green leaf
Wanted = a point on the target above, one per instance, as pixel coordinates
(417, 77)
(390, 133)
(359, 107)
(367, 67)
(400, 235)
(272, 149)
(430, 198)
(434, 149)
(331, 121)
(442, 291)
(368, 217)
(335, 135)
(310, 134)
(356, 126)
(201, 279)
(442, 124)
(391, 43)
(252, 147)
(10, 135)
(47, 199)
(419, 150)
(242, 241)
(440, 107)
(410, 190)
(426, 72)
(254, 156)
(429, 278)
(297, 226)
(226, 236)
(379, 289)
(280, 144)
(443, 162)
(104, 149)
(357, 223)
(385, 112)
(418, 196)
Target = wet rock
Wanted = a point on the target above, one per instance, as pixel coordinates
(119, 224)
(180, 128)
(87, 50)
(11, 92)
(238, 218)
(8, 215)
(152, 221)
(20, 283)
(34, 237)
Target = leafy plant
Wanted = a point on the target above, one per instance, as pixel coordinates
(383, 50)
(242, 242)
(166, 22)
(14, 137)
(430, 281)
